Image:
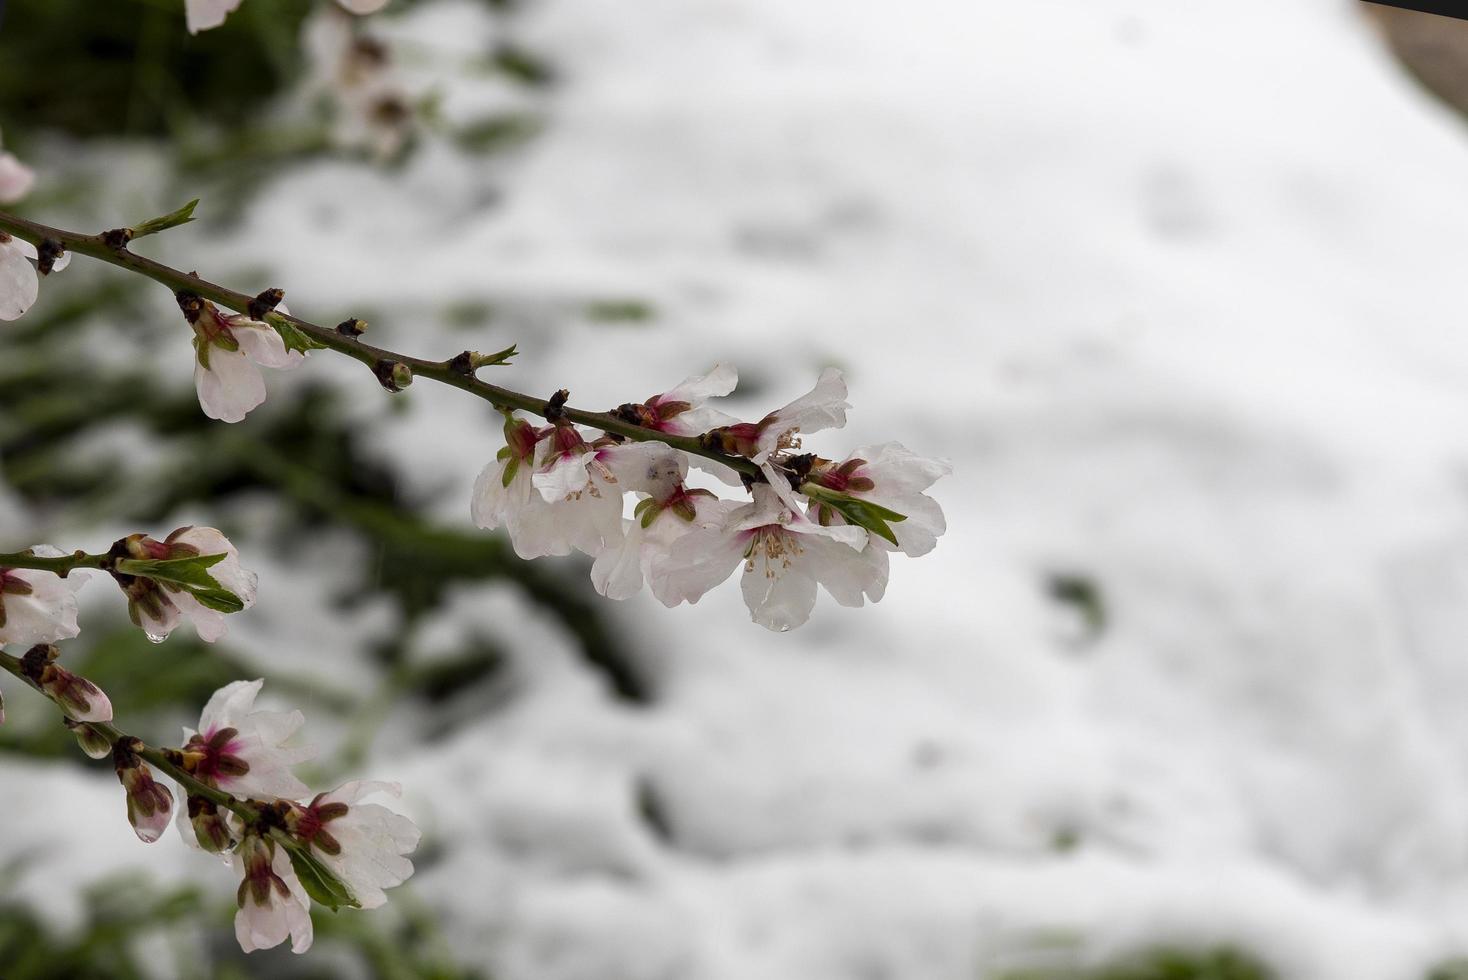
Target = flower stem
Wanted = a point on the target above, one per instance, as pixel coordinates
(61, 565)
(444, 372)
(155, 757)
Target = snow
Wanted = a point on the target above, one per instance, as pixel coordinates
(1177, 289)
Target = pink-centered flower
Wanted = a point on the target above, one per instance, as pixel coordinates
(38, 606)
(503, 491)
(242, 751)
(580, 487)
(364, 844)
(203, 15)
(784, 553)
(893, 477)
(160, 607)
(273, 905)
(659, 520)
(681, 411)
(228, 353)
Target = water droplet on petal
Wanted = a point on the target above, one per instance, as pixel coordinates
(155, 637)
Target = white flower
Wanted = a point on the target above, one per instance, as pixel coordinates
(20, 283)
(202, 15)
(15, 179)
(364, 844)
(227, 350)
(159, 607)
(273, 903)
(785, 554)
(37, 606)
(580, 488)
(681, 411)
(241, 750)
(504, 491)
(619, 571)
(893, 477)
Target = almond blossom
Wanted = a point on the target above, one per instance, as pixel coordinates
(159, 607)
(619, 571)
(364, 844)
(779, 432)
(37, 606)
(503, 491)
(681, 411)
(203, 15)
(785, 554)
(272, 902)
(580, 487)
(242, 751)
(229, 351)
(891, 476)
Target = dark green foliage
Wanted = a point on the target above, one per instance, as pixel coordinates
(1161, 963)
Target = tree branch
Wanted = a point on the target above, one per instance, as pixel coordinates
(154, 757)
(113, 250)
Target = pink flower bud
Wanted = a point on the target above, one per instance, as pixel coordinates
(78, 697)
(148, 804)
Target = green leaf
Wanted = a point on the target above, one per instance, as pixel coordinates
(863, 513)
(294, 337)
(173, 219)
(190, 575)
(319, 881)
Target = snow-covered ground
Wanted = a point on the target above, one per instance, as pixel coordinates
(1178, 289)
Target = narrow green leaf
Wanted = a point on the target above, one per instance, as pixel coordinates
(320, 883)
(173, 219)
(295, 339)
(863, 513)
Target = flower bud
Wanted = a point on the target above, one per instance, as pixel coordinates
(209, 826)
(77, 696)
(92, 742)
(148, 804)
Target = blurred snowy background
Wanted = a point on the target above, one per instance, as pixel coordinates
(1178, 288)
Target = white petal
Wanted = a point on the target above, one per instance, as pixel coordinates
(19, 284)
(646, 467)
(694, 564)
(720, 380)
(845, 573)
(617, 571)
(896, 469)
(47, 615)
(262, 343)
(823, 407)
(566, 476)
(16, 179)
(208, 623)
(779, 597)
(229, 706)
(363, 6)
(202, 15)
(230, 387)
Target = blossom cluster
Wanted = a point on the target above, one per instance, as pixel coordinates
(241, 798)
(810, 521)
